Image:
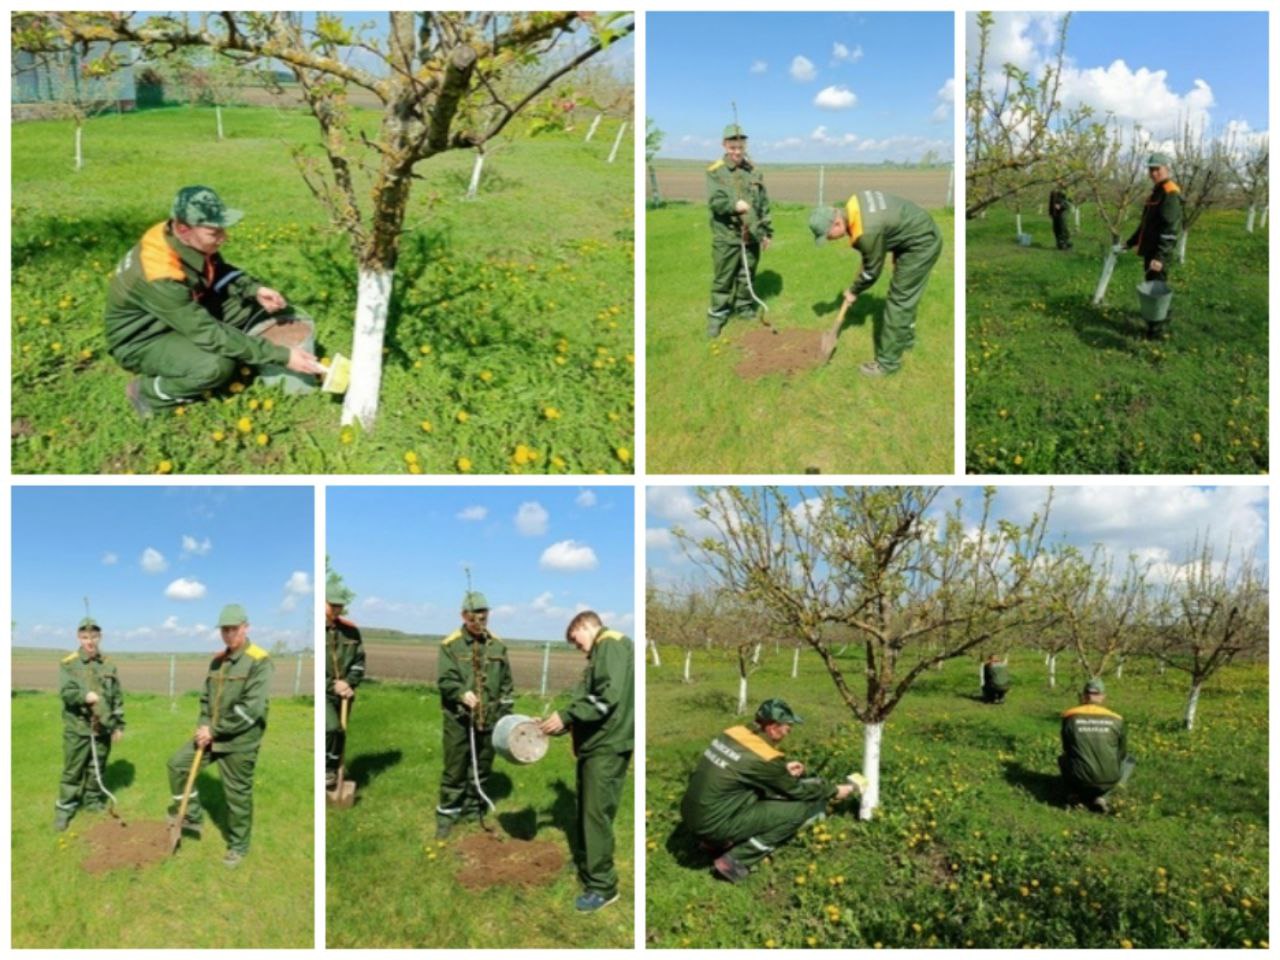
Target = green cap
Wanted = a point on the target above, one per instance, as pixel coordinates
(473, 601)
(774, 710)
(734, 132)
(201, 207)
(820, 222)
(1159, 160)
(337, 592)
(1095, 685)
(232, 615)
(88, 624)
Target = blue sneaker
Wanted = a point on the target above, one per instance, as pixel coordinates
(591, 901)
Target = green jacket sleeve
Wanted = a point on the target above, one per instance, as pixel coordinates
(71, 688)
(772, 779)
(1170, 226)
(250, 709)
(330, 654)
(872, 250)
(205, 716)
(450, 680)
(117, 703)
(236, 282)
(597, 697)
(171, 302)
(719, 197)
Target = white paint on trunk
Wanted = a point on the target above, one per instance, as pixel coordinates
(617, 142)
(755, 655)
(1018, 220)
(1053, 673)
(79, 140)
(1076, 211)
(951, 187)
(653, 648)
(654, 192)
(592, 131)
(1248, 224)
(1189, 715)
(1108, 267)
(1160, 666)
(476, 167)
(822, 183)
(795, 663)
(871, 734)
(688, 658)
(297, 675)
(742, 695)
(546, 664)
(1182, 247)
(981, 676)
(373, 295)
(1120, 670)
(217, 112)
(1263, 222)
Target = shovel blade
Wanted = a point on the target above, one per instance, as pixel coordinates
(175, 838)
(828, 346)
(343, 795)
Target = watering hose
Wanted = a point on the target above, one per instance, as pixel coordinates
(746, 273)
(475, 774)
(97, 774)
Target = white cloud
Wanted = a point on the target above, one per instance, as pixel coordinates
(532, 519)
(110, 559)
(759, 66)
(473, 513)
(192, 546)
(802, 69)
(153, 561)
(841, 53)
(659, 538)
(586, 498)
(821, 135)
(946, 97)
(185, 588)
(170, 622)
(298, 585)
(568, 555)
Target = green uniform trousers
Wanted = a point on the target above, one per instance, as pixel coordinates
(334, 737)
(79, 786)
(1091, 791)
(730, 291)
(911, 268)
(458, 795)
(600, 780)
(1061, 232)
(764, 826)
(237, 787)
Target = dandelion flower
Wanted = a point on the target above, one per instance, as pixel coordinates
(623, 454)
(346, 436)
(464, 465)
(236, 387)
(424, 349)
(165, 466)
(486, 376)
(551, 413)
(218, 436)
(268, 404)
(463, 416)
(244, 424)
(263, 439)
(410, 457)
(426, 426)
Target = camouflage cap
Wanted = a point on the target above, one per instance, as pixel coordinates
(734, 132)
(820, 222)
(1159, 160)
(202, 207)
(338, 593)
(1095, 685)
(232, 615)
(774, 710)
(473, 601)
(88, 623)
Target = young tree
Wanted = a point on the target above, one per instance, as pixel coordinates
(1201, 167)
(1250, 166)
(439, 81)
(1113, 167)
(652, 144)
(201, 78)
(79, 83)
(1099, 613)
(915, 591)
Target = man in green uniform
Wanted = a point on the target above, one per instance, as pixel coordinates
(740, 229)
(1059, 207)
(995, 680)
(233, 720)
(1157, 233)
(878, 224)
(1094, 758)
(476, 691)
(343, 671)
(184, 319)
(746, 798)
(92, 710)
(601, 718)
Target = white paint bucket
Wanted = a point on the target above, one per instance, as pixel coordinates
(518, 739)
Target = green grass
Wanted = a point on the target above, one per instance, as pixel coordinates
(703, 418)
(391, 884)
(971, 847)
(189, 900)
(1056, 385)
(504, 307)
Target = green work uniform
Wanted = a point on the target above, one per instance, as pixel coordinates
(79, 675)
(464, 658)
(742, 798)
(343, 660)
(234, 708)
(995, 682)
(1094, 758)
(732, 280)
(181, 319)
(1059, 207)
(601, 719)
(1157, 235)
(881, 224)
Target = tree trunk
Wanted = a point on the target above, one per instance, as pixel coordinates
(742, 694)
(1248, 224)
(613, 154)
(654, 192)
(217, 112)
(592, 131)
(546, 663)
(688, 657)
(1108, 267)
(981, 676)
(755, 654)
(1017, 218)
(822, 183)
(1160, 667)
(1120, 668)
(951, 188)
(871, 733)
(373, 296)
(1263, 222)
(1182, 247)
(653, 648)
(1193, 699)
(79, 138)
(475, 176)
(1076, 211)
(1053, 672)
(795, 663)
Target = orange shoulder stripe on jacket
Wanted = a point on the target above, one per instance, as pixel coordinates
(1089, 710)
(159, 261)
(753, 742)
(1171, 187)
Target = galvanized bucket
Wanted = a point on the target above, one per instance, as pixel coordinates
(518, 739)
(1024, 239)
(277, 376)
(1154, 297)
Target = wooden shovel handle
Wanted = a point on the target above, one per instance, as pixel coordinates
(191, 779)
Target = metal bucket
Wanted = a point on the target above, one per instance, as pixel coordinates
(1154, 297)
(1024, 239)
(277, 376)
(519, 740)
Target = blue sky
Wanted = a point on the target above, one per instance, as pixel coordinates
(539, 554)
(158, 563)
(885, 82)
(1158, 524)
(1154, 68)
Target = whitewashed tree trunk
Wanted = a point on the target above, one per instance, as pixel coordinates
(795, 663)
(1253, 213)
(1182, 247)
(1189, 715)
(1018, 220)
(980, 676)
(474, 186)
(742, 695)
(653, 187)
(1053, 672)
(79, 141)
(707, 640)
(871, 734)
(217, 112)
(617, 141)
(688, 658)
(373, 296)
(755, 655)
(1160, 667)
(951, 187)
(546, 663)
(1108, 267)
(1120, 669)
(1263, 222)
(653, 649)
(591, 132)
(1076, 211)
(777, 647)
(822, 183)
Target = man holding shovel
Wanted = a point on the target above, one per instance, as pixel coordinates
(878, 224)
(343, 671)
(92, 709)
(233, 720)
(740, 229)
(1157, 233)
(185, 320)
(476, 691)
(601, 718)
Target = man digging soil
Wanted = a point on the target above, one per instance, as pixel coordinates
(185, 320)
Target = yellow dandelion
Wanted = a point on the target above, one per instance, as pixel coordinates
(462, 416)
(410, 457)
(558, 462)
(623, 454)
(244, 424)
(164, 466)
(263, 439)
(254, 404)
(56, 346)
(179, 411)
(236, 387)
(551, 413)
(560, 361)
(268, 404)
(218, 436)
(1196, 438)
(424, 349)
(464, 465)
(346, 436)
(415, 468)
(426, 426)
(486, 376)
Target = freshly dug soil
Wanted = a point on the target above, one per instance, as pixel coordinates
(786, 352)
(491, 860)
(113, 846)
(286, 334)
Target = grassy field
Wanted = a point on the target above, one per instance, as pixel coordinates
(190, 900)
(972, 846)
(509, 346)
(704, 418)
(391, 884)
(1056, 385)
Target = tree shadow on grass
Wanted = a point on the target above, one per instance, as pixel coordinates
(1102, 329)
(364, 769)
(119, 775)
(52, 238)
(1047, 788)
(212, 798)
